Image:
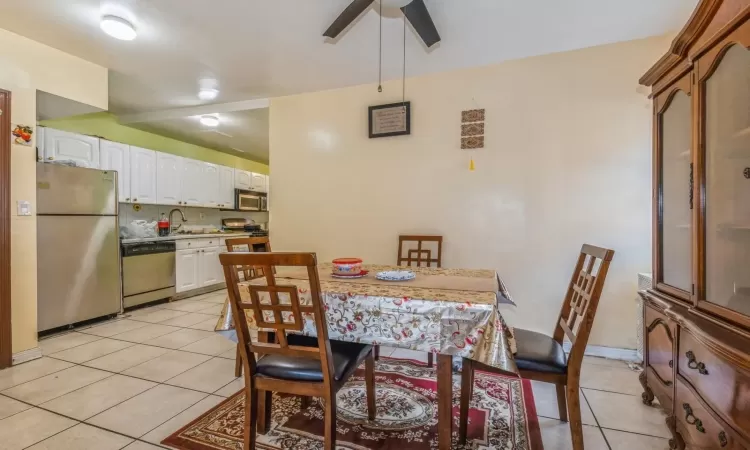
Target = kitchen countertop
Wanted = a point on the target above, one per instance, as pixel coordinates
(178, 237)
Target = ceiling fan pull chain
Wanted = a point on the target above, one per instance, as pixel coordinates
(380, 51)
(403, 74)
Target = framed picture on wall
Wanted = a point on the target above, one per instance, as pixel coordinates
(393, 119)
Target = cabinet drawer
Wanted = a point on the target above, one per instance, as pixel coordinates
(197, 243)
(698, 426)
(723, 386)
(659, 333)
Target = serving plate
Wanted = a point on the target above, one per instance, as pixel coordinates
(396, 275)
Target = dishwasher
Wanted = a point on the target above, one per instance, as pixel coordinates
(148, 272)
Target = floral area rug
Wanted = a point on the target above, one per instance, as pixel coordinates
(502, 416)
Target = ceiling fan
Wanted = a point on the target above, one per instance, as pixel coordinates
(414, 10)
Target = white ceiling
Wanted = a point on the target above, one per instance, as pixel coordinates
(266, 48)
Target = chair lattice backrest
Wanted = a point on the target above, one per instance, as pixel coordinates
(421, 256)
(582, 298)
(276, 307)
(249, 244)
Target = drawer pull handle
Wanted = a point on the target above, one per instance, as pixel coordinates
(696, 365)
(723, 439)
(691, 419)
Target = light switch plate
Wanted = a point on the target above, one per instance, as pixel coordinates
(24, 208)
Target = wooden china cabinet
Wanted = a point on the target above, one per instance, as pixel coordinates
(697, 315)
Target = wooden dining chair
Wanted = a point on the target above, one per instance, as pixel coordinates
(541, 357)
(249, 244)
(421, 257)
(295, 364)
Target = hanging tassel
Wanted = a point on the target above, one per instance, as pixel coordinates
(471, 164)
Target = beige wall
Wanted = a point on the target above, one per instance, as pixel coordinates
(567, 161)
(26, 66)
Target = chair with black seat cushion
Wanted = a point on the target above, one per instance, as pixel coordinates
(249, 244)
(293, 364)
(541, 357)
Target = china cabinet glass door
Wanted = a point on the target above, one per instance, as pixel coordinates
(726, 95)
(674, 216)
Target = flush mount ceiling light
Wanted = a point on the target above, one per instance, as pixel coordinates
(118, 28)
(210, 121)
(208, 93)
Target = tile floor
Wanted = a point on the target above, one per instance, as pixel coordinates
(131, 382)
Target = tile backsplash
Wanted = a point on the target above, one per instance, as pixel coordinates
(194, 216)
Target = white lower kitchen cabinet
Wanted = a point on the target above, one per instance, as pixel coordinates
(198, 267)
(187, 269)
(210, 271)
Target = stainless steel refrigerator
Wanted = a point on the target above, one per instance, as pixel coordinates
(78, 248)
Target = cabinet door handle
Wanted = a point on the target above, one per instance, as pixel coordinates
(671, 363)
(127, 199)
(50, 158)
(694, 364)
(691, 419)
(135, 199)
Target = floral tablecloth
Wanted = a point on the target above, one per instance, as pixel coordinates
(462, 323)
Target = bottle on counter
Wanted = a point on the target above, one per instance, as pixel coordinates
(163, 226)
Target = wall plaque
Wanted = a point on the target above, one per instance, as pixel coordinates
(393, 119)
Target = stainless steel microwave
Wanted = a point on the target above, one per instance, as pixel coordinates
(251, 200)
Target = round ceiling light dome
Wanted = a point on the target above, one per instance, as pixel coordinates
(210, 120)
(118, 28)
(394, 3)
(208, 94)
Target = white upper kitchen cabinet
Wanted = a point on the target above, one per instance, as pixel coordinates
(243, 179)
(142, 175)
(116, 156)
(258, 182)
(187, 267)
(64, 146)
(40, 143)
(226, 187)
(210, 185)
(168, 179)
(192, 182)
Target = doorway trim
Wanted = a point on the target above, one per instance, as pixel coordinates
(6, 345)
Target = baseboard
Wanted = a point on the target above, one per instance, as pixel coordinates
(27, 355)
(199, 291)
(620, 354)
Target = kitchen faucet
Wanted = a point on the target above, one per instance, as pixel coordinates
(182, 214)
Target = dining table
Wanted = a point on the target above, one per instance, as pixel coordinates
(450, 312)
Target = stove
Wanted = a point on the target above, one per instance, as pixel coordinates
(240, 225)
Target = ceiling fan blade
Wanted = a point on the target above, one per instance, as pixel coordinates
(349, 15)
(420, 19)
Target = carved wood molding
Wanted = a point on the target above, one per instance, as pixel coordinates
(678, 51)
(723, 350)
(664, 324)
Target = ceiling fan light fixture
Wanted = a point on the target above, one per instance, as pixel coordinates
(208, 93)
(210, 120)
(118, 28)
